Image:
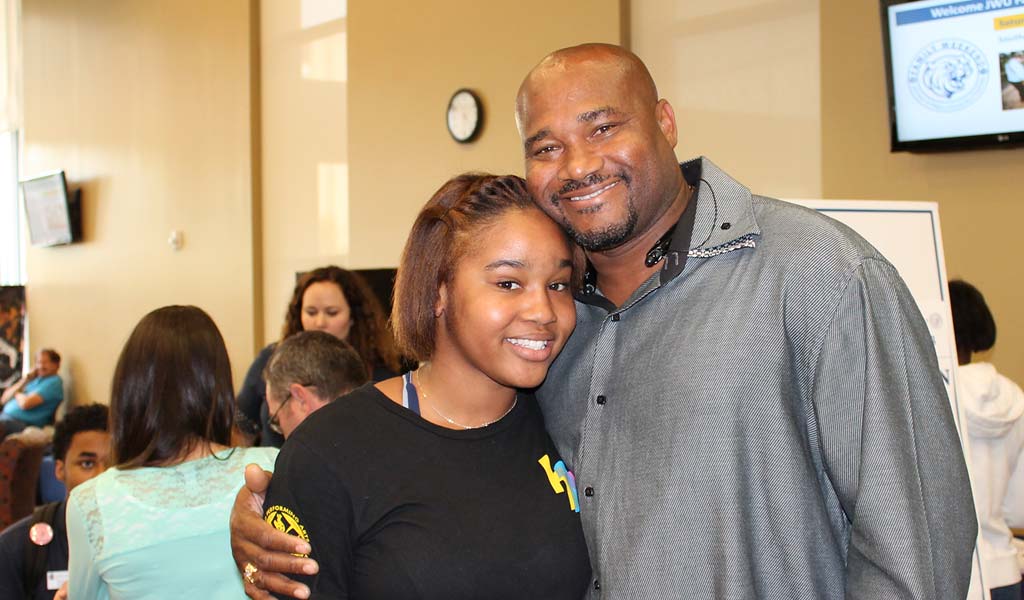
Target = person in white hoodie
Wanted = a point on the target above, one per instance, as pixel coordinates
(994, 406)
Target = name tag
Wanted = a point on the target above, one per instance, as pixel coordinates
(55, 579)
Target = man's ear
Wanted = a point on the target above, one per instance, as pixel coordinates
(307, 400)
(667, 121)
(58, 470)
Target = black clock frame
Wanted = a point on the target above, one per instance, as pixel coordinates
(479, 110)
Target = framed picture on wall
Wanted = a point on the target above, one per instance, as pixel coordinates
(12, 333)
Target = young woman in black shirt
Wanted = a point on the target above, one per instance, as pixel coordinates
(442, 483)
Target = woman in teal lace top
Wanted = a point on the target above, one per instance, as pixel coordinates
(156, 526)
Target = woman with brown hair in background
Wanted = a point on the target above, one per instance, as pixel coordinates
(328, 299)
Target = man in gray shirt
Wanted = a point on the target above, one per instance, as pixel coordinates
(751, 402)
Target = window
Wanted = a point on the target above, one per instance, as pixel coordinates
(11, 245)
(12, 259)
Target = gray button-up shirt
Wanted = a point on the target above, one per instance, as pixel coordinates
(764, 418)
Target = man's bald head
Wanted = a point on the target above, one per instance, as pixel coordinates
(608, 63)
(599, 145)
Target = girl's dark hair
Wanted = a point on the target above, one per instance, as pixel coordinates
(368, 335)
(172, 389)
(440, 235)
(973, 325)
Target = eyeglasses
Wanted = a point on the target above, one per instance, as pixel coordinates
(275, 420)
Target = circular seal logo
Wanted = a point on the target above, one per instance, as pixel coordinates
(948, 75)
(283, 519)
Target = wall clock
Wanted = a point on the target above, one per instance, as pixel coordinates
(465, 116)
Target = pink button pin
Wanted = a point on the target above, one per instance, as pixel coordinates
(41, 534)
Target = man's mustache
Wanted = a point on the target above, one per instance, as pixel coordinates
(578, 184)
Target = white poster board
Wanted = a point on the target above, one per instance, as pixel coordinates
(908, 235)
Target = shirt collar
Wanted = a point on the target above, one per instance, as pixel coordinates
(725, 209)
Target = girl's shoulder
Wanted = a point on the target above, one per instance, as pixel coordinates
(263, 456)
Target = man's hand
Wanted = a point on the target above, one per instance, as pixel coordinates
(62, 593)
(255, 541)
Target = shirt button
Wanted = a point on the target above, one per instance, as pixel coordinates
(588, 491)
(615, 317)
(601, 400)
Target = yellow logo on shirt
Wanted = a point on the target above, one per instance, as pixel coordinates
(283, 519)
(562, 481)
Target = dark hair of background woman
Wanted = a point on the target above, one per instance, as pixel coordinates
(368, 335)
(973, 325)
(172, 389)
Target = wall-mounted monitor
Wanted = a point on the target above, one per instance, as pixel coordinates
(54, 216)
(955, 73)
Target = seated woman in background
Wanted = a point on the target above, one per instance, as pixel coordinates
(994, 406)
(327, 299)
(156, 525)
(443, 483)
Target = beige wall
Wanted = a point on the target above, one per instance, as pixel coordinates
(147, 105)
(405, 61)
(354, 144)
(743, 76)
(980, 201)
(303, 71)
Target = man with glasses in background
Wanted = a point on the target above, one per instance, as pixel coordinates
(306, 372)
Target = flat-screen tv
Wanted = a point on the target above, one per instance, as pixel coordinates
(955, 72)
(53, 214)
